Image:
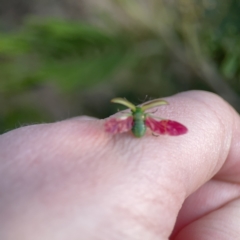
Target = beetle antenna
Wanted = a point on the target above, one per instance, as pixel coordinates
(145, 99)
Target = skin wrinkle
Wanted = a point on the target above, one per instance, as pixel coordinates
(220, 178)
(205, 230)
(127, 221)
(148, 225)
(137, 215)
(153, 183)
(191, 212)
(161, 169)
(140, 176)
(229, 198)
(157, 199)
(219, 226)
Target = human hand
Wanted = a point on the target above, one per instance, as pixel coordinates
(71, 180)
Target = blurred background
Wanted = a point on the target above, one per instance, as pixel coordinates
(63, 58)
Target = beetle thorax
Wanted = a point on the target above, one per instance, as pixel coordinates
(138, 114)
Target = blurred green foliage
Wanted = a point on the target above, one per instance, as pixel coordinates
(53, 69)
(70, 54)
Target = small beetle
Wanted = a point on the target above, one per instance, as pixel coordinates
(138, 121)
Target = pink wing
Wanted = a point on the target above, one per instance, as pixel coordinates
(114, 125)
(169, 127)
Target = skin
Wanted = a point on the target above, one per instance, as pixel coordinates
(71, 180)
